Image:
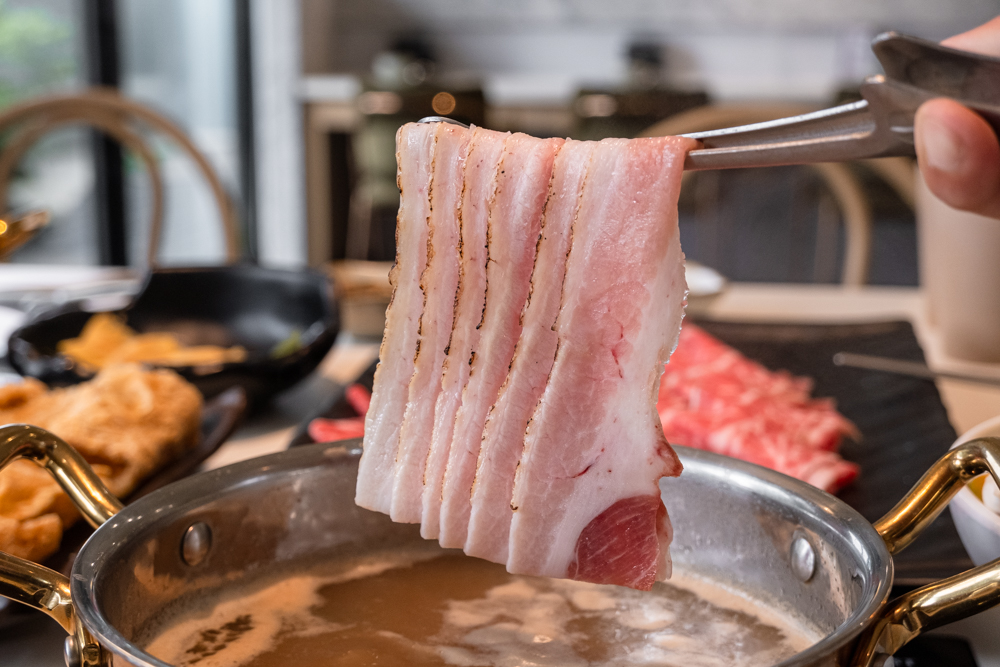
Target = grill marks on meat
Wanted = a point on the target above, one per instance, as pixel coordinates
(482, 165)
(513, 227)
(415, 150)
(439, 283)
(503, 436)
(545, 449)
(595, 440)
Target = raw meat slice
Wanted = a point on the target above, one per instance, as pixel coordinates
(359, 398)
(439, 284)
(322, 429)
(503, 436)
(600, 556)
(712, 397)
(415, 144)
(514, 223)
(482, 164)
(594, 450)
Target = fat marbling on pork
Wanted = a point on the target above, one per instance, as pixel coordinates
(586, 496)
(479, 185)
(415, 148)
(513, 226)
(438, 283)
(503, 435)
(546, 449)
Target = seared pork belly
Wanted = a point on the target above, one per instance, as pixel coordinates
(586, 496)
(481, 169)
(528, 434)
(503, 436)
(415, 148)
(439, 283)
(513, 227)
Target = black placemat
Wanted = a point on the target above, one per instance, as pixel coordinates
(903, 423)
(936, 651)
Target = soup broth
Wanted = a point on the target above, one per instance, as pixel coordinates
(460, 611)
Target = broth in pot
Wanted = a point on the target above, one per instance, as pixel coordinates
(422, 609)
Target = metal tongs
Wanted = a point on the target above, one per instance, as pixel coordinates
(880, 125)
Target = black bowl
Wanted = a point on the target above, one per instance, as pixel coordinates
(264, 310)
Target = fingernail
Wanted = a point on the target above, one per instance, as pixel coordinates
(942, 147)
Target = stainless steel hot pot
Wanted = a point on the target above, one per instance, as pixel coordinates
(776, 538)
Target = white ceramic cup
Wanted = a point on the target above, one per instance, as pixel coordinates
(960, 273)
(978, 526)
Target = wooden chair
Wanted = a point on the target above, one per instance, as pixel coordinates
(843, 185)
(121, 119)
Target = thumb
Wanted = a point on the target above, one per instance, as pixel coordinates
(959, 156)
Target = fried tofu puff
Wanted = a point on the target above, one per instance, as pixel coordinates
(126, 422)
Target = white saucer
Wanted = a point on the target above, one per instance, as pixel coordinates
(702, 280)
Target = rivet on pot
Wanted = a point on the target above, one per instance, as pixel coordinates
(71, 652)
(196, 543)
(803, 558)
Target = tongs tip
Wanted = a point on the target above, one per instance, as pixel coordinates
(442, 119)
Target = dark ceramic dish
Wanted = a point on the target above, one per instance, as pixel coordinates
(286, 320)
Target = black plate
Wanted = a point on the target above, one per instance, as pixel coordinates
(238, 305)
(903, 423)
(219, 418)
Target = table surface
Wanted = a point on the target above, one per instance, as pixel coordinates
(39, 644)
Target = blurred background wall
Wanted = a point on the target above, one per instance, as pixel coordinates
(585, 68)
(43, 51)
(295, 103)
(546, 49)
(179, 58)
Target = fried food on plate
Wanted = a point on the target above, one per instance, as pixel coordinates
(107, 340)
(126, 423)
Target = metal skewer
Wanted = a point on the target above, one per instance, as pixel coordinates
(880, 125)
(905, 367)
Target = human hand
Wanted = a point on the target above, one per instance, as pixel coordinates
(958, 152)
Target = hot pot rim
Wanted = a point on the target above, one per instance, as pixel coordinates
(202, 488)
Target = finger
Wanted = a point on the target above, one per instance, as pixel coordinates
(985, 39)
(959, 156)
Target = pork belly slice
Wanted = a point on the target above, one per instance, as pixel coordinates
(503, 436)
(482, 164)
(586, 493)
(439, 284)
(514, 223)
(415, 147)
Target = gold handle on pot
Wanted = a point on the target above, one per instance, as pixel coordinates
(37, 586)
(945, 601)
